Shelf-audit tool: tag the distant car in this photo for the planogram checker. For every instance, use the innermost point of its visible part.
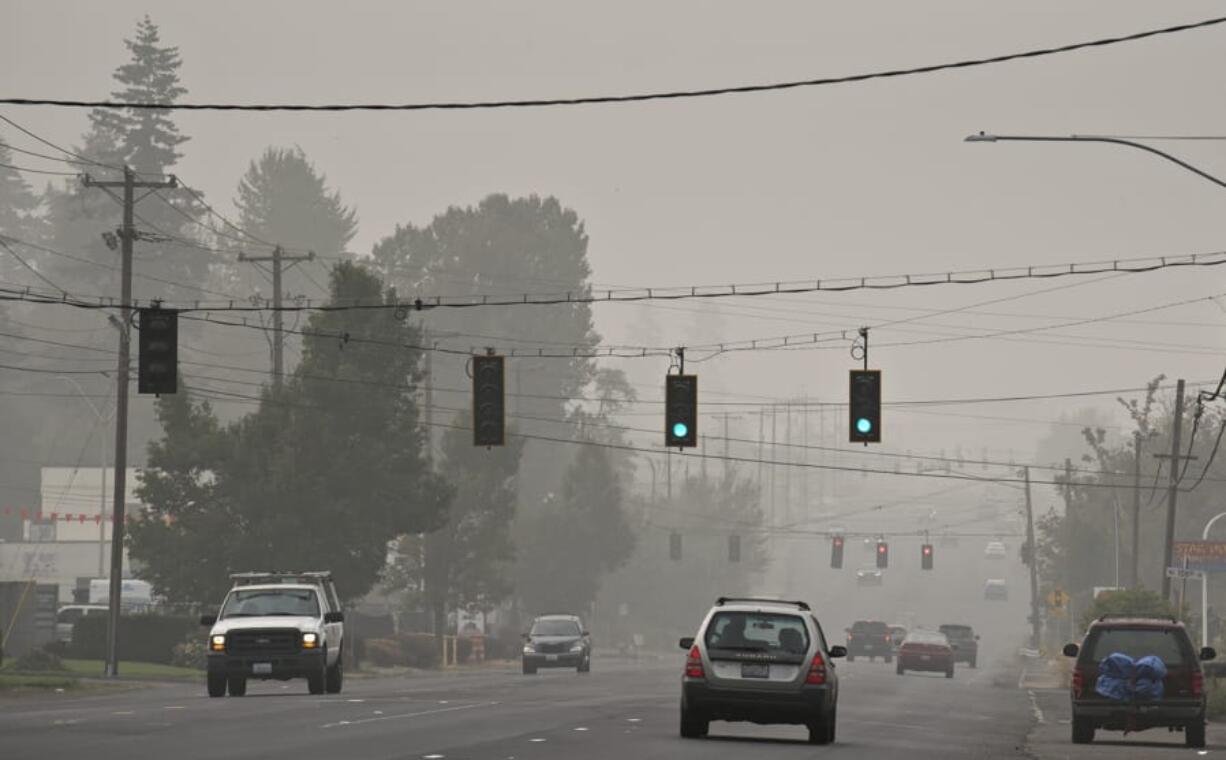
(926, 650)
(763, 661)
(869, 638)
(68, 615)
(557, 641)
(965, 642)
(869, 576)
(1182, 704)
(995, 550)
(996, 589)
(897, 634)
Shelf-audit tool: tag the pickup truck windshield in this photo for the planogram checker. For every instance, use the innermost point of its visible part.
(262, 602)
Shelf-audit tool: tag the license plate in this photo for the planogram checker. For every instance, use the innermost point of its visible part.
(925, 657)
(868, 647)
(551, 658)
(261, 668)
(755, 670)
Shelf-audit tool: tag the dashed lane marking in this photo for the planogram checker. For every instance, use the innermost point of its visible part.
(418, 714)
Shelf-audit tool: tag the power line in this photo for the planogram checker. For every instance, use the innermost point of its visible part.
(52, 145)
(27, 265)
(38, 171)
(627, 98)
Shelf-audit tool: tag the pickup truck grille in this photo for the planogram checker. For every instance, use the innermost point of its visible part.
(270, 641)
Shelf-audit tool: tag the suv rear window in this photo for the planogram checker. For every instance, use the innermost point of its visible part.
(1169, 644)
(758, 632)
(957, 631)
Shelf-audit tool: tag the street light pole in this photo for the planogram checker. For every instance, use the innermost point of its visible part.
(1204, 585)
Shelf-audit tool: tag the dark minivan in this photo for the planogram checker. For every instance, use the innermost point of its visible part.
(1182, 706)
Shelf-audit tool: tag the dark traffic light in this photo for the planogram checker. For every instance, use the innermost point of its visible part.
(734, 548)
(864, 411)
(836, 552)
(489, 401)
(674, 546)
(158, 362)
(883, 554)
(926, 557)
(681, 410)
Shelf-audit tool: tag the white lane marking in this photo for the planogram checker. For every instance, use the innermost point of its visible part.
(174, 707)
(1034, 707)
(581, 728)
(442, 701)
(418, 714)
(633, 720)
(124, 712)
(68, 722)
(537, 740)
(378, 712)
(433, 757)
(357, 701)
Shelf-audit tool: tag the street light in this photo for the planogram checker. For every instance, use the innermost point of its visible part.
(984, 137)
(1204, 586)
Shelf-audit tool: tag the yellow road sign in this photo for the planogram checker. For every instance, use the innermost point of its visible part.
(1057, 599)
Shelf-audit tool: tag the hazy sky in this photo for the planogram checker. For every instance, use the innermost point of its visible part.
(851, 180)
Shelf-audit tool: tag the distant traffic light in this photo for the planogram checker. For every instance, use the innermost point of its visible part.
(836, 552)
(489, 401)
(734, 548)
(883, 554)
(681, 410)
(926, 557)
(158, 360)
(674, 546)
(864, 407)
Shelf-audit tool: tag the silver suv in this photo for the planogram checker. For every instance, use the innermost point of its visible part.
(763, 661)
(276, 626)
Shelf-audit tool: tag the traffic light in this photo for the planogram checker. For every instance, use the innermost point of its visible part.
(883, 554)
(674, 546)
(864, 410)
(681, 410)
(926, 557)
(734, 548)
(836, 552)
(489, 401)
(158, 363)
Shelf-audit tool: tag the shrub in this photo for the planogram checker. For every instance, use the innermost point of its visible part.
(39, 661)
(1138, 602)
(191, 652)
(420, 650)
(142, 638)
(383, 653)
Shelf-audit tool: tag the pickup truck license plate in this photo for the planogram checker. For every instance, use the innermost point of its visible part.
(551, 658)
(755, 670)
(261, 668)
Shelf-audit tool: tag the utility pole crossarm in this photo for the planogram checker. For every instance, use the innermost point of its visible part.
(278, 260)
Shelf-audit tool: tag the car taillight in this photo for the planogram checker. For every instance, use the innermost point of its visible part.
(1078, 682)
(887, 637)
(817, 671)
(1198, 683)
(693, 663)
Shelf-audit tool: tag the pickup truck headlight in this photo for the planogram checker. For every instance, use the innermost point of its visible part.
(577, 646)
(217, 643)
(309, 640)
(529, 648)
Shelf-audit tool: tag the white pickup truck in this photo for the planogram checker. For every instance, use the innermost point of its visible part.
(276, 626)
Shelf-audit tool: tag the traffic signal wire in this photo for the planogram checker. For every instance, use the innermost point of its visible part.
(624, 98)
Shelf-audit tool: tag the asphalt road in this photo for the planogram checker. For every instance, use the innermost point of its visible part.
(622, 709)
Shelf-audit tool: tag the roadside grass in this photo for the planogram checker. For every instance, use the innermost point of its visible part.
(134, 670)
(1215, 708)
(28, 682)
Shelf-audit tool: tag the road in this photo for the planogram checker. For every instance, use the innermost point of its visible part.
(622, 709)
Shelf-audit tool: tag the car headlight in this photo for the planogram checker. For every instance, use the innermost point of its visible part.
(217, 643)
(529, 648)
(577, 646)
(309, 640)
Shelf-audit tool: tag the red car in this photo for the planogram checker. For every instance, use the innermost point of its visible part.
(926, 650)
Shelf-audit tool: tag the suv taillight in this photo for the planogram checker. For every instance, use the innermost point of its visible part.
(1198, 683)
(693, 663)
(1079, 679)
(817, 671)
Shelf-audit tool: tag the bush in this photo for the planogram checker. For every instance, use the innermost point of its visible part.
(38, 661)
(419, 650)
(191, 652)
(383, 653)
(1215, 708)
(503, 647)
(142, 638)
(1134, 601)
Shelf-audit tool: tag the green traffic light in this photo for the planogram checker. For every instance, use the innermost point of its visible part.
(864, 426)
(680, 430)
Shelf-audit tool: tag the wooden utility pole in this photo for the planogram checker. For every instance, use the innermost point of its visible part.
(1135, 576)
(1173, 492)
(126, 236)
(1033, 563)
(278, 259)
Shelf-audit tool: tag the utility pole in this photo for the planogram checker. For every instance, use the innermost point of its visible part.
(126, 236)
(278, 259)
(1033, 563)
(1136, 512)
(1173, 492)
